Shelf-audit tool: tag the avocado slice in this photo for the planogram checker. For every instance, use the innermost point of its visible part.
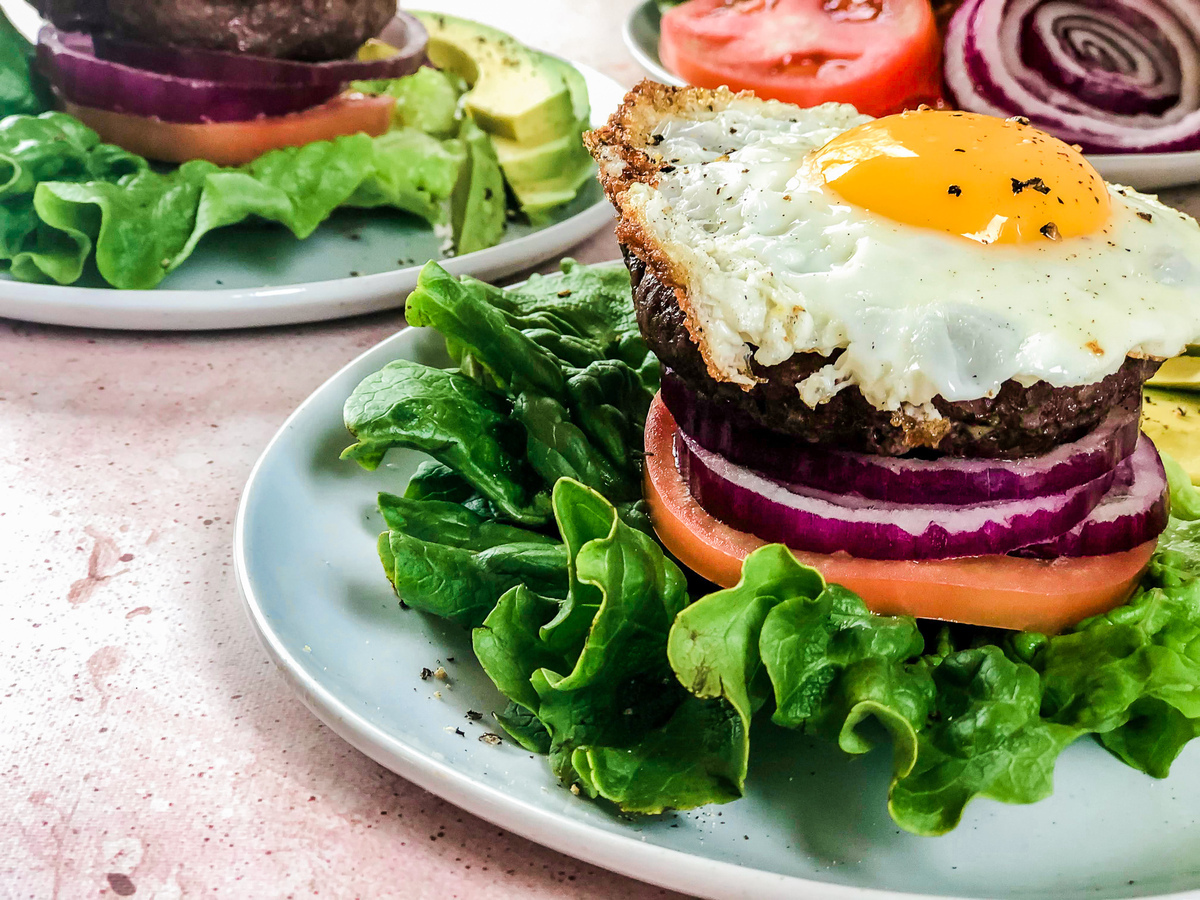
(530, 166)
(1181, 372)
(550, 174)
(1172, 420)
(514, 92)
(478, 206)
(581, 104)
(526, 165)
(538, 201)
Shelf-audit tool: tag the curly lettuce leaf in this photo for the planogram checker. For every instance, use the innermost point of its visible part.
(426, 100)
(693, 759)
(976, 715)
(1149, 648)
(1131, 677)
(23, 89)
(446, 560)
(458, 423)
(833, 664)
(985, 739)
(592, 670)
(714, 644)
(1005, 711)
(583, 422)
(143, 226)
(49, 147)
(1185, 499)
(1153, 735)
(963, 723)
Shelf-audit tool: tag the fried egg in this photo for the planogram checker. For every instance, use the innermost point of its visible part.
(942, 253)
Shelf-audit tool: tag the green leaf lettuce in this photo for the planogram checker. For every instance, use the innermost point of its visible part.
(593, 671)
(23, 89)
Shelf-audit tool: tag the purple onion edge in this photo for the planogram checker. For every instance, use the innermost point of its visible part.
(950, 479)
(752, 511)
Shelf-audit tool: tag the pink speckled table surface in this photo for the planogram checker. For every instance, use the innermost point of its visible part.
(149, 747)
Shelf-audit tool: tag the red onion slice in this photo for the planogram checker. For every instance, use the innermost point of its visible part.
(821, 522)
(81, 78)
(404, 32)
(1117, 76)
(1134, 511)
(951, 480)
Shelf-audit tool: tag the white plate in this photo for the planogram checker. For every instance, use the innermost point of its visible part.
(1144, 171)
(814, 823)
(247, 276)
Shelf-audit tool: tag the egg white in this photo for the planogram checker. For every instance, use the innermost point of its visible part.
(777, 264)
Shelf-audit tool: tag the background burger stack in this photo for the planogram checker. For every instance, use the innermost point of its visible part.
(228, 81)
(139, 128)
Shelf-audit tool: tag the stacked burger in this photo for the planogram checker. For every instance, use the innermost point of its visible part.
(910, 348)
(226, 80)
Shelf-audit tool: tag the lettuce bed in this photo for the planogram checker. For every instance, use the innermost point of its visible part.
(528, 527)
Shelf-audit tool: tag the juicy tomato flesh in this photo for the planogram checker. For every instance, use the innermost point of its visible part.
(237, 143)
(996, 591)
(882, 56)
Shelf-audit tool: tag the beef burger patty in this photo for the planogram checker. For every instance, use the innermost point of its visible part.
(287, 29)
(1018, 421)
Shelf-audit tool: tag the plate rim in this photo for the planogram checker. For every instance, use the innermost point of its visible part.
(650, 62)
(645, 10)
(193, 309)
(624, 854)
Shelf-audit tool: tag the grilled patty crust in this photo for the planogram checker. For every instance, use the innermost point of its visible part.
(1018, 421)
(287, 29)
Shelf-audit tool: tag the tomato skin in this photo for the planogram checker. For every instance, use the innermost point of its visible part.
(995, 591)
(809, 52)
(237, 143)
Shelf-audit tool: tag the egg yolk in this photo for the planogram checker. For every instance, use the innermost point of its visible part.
(991, 180)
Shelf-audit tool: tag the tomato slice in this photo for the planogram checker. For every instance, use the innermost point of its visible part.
(237, 143)
(882, 56)
(997, 591)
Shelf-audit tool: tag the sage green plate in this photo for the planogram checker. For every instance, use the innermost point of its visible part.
(814, 823)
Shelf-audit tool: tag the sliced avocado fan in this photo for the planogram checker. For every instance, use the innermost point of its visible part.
(535, 107)
(1171, 418)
